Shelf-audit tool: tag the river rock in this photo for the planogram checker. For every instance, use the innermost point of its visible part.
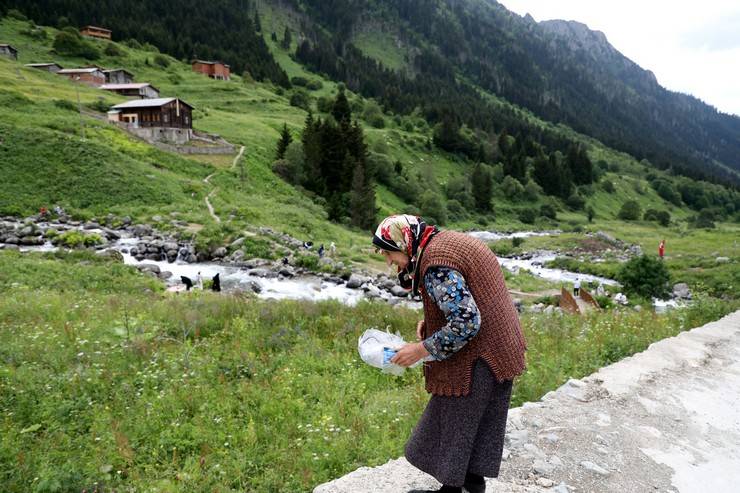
(252, 286)
(682, 291)
(32, 240)
(170, 245)
(237, 243)
(722, 260)
(286, 271)
(355, 281)
(153, 256)
(111, 234)
(165, 275)
(237, 256)
(388, 284)
(91, 225)
(142, 230)
(113, 254)
(27, 231)
(203, 256)
(220, 252)
(399, 291)
(372, 291)
(9, 247)
(149, 268)
(12, 240)
(595, 468)
(543, 468)
(126, 220)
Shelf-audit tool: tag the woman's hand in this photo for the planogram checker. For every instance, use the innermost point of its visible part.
(409, 354)
(420, 330)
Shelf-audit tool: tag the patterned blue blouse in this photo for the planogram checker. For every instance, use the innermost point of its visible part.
(448, 289)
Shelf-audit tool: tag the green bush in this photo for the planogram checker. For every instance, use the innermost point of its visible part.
(65, 104)
(162, 61)
(17, 15)
(301, 99)
(645, 276)
(314, 85)
(299, 81)
(662, 217)
(113, 50)
(630, 211)
(705, 219)
(70, 43)
(528, 215)
(575, 202)
(548, 211)
(310, 262)
(516, 242)
(608, 186)
(77, 239)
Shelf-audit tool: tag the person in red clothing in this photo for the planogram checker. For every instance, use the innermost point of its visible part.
(661, 248)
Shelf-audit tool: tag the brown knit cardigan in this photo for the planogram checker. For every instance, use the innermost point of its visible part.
(499, 341)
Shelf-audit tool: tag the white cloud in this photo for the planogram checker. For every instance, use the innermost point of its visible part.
(691, 47)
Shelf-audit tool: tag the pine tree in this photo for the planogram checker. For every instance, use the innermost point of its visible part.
(362, 198)
(482, 184)
(341, 110)
(283, 142)
(257, 22)
(311, 139)
(287, 39)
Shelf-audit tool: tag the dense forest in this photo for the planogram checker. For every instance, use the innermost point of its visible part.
(213, 30)
(604, 94)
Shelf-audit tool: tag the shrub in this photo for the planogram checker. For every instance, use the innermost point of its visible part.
(645, 276)
(532, 191)
(65, 104)
(100, 105)
(432, 208)
(162, 61)
(705, 219)
(630, 211)
(511, 187)
(314, 85)
(528, 215)
(516, 242)
(324, 104)
(548, 211)
(373, 114)
(301, 99)
(16, 14)
(456, 210)
(608, 186)
(575, 202)
(70, 43)
(299, 81)
(113, 50)
(662, 217)
(310, 262)
(75, 239)
(133, 43)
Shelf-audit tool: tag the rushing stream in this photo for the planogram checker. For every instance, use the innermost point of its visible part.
(312, 287)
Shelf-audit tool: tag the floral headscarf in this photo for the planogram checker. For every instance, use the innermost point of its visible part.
(407, 234)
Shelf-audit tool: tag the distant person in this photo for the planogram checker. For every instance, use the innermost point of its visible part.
(187, 282)
(600, 290)
(43, 212)
(307, 245)
(471, 341)
(332, 249)
(321, 251)
(216, 286)
(286, 261)
(661, 249)
(577, 287)
(199, 281)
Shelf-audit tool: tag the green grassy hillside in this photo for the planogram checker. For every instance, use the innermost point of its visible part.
(47, 163)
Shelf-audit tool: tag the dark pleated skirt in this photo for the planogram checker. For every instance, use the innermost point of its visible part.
(456, 435)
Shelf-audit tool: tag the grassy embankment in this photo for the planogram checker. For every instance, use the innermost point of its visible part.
(105, 378)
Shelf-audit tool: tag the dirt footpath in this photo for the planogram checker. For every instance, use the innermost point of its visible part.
(664, 420)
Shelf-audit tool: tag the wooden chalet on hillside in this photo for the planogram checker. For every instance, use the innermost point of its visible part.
(214, 70)
(8, 51)
(49, 67)
(118, 76)
(93, 76)
(142, 90)
(96, 32)
(159, 112)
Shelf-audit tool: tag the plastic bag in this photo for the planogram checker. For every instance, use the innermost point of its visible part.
(377, 347)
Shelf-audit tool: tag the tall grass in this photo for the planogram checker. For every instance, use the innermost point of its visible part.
(119, 384)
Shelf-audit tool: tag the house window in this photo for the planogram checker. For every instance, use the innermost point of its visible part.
(166, 118)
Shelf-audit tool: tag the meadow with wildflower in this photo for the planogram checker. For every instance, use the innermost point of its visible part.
(107, 382)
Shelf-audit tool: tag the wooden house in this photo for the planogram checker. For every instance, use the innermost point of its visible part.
(118, 76)
(49, 67)
(92, 76)
(214, 70)
(8, 51)
(142, 90)
(159, 112)
(96, 32)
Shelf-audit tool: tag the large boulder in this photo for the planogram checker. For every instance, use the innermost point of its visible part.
(399, 291)
(355, 281)
(682, 291)
(149, 268)
(220, 252)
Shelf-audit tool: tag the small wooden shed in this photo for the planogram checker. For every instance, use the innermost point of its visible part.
(159, 112)
(96, 32)
(93, 76)
(49, 67)
(118, 76)
(214, 70)
(142, 90)
(8, 51)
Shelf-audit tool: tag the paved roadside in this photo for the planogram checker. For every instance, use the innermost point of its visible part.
(664, 420)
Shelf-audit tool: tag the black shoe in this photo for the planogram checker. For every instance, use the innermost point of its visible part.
(474, 483)
(443, 489)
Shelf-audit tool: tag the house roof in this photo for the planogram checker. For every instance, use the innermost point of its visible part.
(133, 85)
(207, 62)
(79, 70)
(49, 64)
(5, 45)
(97, 28)
(109, 70)
(148, 103)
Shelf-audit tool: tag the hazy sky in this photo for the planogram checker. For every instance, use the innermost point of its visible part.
(691, 47)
